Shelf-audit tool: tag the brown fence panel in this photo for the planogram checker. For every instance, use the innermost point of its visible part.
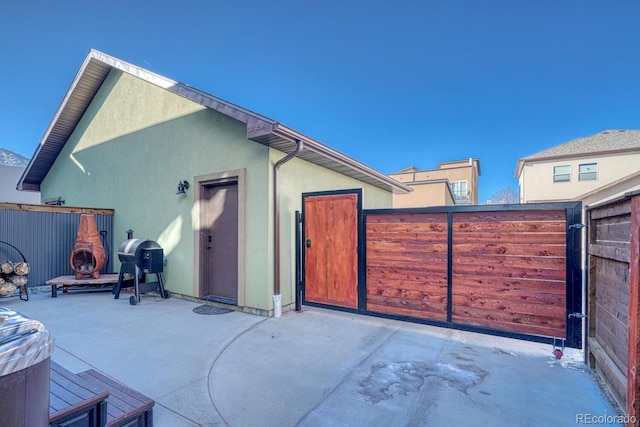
(510, 270)
(515, 280)
(613, 304)
(406, 265)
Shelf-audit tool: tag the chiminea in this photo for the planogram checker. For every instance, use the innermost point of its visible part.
(88, 256)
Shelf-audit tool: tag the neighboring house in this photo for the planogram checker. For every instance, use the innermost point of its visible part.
(453, 183)
(9, 177)
(195, 173)
(589, 169)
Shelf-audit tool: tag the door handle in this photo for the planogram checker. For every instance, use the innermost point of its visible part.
(308, 243)
(209, 239)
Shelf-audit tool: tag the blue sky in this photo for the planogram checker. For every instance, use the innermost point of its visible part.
(389, 83)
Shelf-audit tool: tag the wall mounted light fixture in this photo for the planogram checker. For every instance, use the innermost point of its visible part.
(182, 187)
(54, 201)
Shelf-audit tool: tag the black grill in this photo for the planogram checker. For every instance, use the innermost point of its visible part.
(138, 258)
(146, 254)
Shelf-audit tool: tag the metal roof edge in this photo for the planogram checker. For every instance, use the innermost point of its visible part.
(341, 158)
(200, 97)
(257, 125)
(32, 187)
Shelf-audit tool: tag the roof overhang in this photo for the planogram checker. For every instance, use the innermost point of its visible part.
(541, 159)
(260, 129)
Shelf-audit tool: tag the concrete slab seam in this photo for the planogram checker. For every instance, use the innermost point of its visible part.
(346, 377)
(227, 345)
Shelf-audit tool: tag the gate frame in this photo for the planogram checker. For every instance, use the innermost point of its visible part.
(301, 297)
(575, 292)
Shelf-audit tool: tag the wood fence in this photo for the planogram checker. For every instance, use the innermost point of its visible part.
(514, 271)
(511, 270)
(614, 298)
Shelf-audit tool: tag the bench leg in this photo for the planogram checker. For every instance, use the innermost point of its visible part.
(54, 291)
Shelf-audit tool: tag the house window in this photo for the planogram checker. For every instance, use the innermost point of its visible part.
(562, 173)
(459, 190)
(588, 172)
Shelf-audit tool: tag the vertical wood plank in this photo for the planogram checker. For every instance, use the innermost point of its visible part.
(331, 260)
(633, 357)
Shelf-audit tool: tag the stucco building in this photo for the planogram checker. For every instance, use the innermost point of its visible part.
(453, 183)
(581, 167)
(128, 139)
(9, 177)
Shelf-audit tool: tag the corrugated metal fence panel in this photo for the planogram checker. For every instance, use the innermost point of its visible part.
(46, 240)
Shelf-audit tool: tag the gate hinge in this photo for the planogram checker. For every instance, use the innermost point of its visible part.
(577, 226)
(577, 315)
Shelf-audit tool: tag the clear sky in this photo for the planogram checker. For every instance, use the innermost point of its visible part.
(389, 83)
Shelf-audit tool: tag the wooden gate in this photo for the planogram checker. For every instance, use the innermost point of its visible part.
(510, 270)
(331, 248)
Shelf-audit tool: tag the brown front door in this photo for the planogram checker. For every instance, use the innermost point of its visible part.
(219, 242)
(331, 249)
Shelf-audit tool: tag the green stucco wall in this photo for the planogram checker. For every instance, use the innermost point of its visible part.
(137, 141)
(298, 177)
(130, 150)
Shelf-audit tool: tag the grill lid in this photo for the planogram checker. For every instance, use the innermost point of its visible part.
(130, 251)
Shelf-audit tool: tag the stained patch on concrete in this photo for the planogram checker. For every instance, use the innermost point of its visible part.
(387, 380)
(460, 357)
(501, 351)
(469, 350)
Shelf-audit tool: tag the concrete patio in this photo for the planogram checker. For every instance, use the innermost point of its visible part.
(315, 368)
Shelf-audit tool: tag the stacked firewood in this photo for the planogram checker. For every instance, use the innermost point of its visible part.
(12, 276)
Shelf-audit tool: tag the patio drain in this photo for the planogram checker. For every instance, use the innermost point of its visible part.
(210, 309)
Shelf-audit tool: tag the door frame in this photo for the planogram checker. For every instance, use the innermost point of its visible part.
(361, 290)
(231, 176)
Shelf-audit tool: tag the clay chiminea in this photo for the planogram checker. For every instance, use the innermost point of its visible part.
(88, 256)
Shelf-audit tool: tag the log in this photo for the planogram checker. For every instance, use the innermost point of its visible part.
(6, 267)
(21, 268)
(17, 280)
(7, 289)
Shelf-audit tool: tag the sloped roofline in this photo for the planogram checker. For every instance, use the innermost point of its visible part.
(406, 170)
(555, 152)
(92, 73)
(608, 186)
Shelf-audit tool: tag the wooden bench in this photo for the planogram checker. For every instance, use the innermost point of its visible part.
(66, 282)
(126, 407)
(74, 401)
(92, 399)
